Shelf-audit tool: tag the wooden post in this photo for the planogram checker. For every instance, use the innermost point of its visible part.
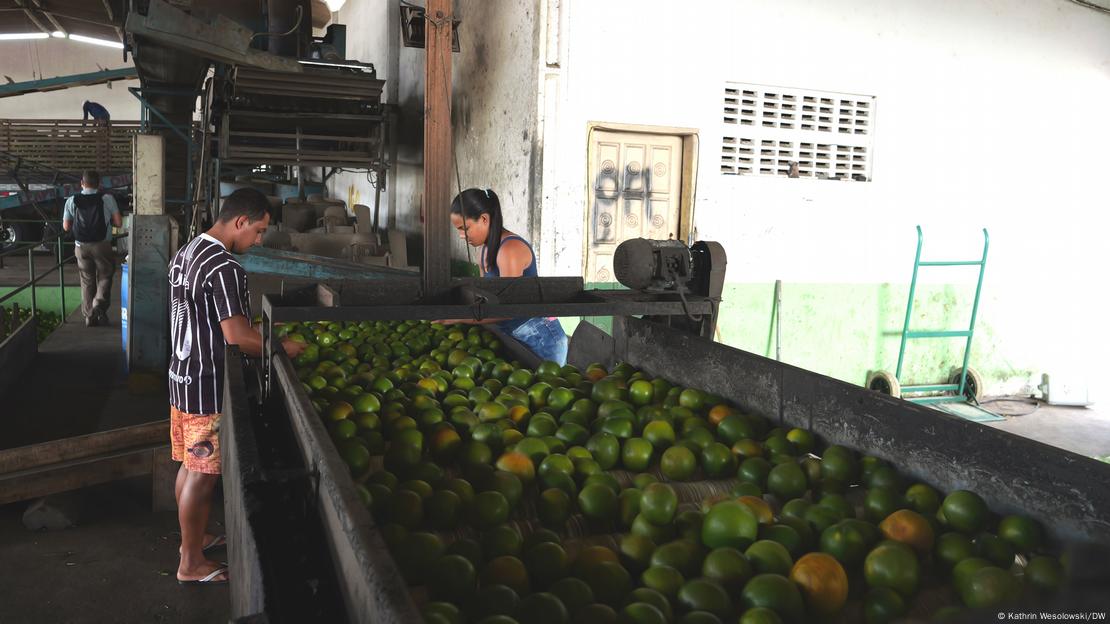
(438, 161)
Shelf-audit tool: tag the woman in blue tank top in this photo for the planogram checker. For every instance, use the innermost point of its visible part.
(476, 214)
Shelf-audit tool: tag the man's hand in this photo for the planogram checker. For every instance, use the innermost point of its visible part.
(293, 348)
(456, 321)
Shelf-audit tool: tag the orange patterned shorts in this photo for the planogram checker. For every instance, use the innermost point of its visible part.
(195, 440)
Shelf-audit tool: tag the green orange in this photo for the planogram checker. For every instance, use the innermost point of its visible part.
(965, 511)
(641, 392)
(705, 595)
(658, 503)
(892, 565)
(771, 557)
(727, 566)
(729, 523)
(597, 502)
(678, 463)
(636, 454)
(787, 481)
(518, 464)
(822, 581)
(910, 528)
(774, 592)
(717, 461)
(1022, 532)
(660, 433)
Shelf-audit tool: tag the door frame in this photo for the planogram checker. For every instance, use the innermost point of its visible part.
(688, 178)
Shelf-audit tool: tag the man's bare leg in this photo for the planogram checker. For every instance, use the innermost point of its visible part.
(193, 506)
(182, 472)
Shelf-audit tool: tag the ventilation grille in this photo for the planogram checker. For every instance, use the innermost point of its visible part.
(770, 131)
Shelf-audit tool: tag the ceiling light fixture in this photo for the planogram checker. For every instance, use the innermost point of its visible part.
(14, 36)
(100, 42)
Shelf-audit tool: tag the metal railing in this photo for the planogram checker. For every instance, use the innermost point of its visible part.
(59, 243)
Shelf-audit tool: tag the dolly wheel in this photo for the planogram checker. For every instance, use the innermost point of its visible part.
(884, 383)
(973, 387)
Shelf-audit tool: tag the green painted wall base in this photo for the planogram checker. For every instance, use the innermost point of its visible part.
(847, 330)
(46, 297)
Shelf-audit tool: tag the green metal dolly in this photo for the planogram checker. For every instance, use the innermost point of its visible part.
(964, 384)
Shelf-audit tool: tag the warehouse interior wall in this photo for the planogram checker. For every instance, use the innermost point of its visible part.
(988, 113)
(35, 59)
(372, 37)
(493, 109)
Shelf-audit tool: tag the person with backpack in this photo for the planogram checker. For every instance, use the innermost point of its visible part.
(88, 215)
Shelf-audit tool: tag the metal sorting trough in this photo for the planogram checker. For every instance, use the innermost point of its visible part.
(1066, 492)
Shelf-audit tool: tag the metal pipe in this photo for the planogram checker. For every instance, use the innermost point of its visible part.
(778, 320)
(31, 277)
(909, 306)
(61, 282)
(974, 313)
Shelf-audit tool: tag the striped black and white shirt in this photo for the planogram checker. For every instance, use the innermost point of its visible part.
(207, 285)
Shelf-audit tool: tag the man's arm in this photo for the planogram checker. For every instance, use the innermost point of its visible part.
(67, 215)
(113, 209)
(238, 331)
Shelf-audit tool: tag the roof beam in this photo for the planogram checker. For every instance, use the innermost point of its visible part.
(65, 82)
(31, 16)
(112, 18)
(57, 25)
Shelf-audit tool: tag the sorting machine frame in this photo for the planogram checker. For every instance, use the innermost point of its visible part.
(284, 476)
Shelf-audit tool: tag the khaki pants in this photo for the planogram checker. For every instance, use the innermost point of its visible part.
(97, 264)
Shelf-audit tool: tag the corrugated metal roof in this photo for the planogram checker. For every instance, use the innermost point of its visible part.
(101, 19)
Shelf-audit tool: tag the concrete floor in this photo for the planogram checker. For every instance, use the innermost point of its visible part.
(1082, 430)
(118, 564)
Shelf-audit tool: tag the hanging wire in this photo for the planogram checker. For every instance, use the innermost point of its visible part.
(296, 25)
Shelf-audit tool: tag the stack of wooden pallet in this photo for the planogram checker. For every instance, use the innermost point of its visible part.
(69, 145)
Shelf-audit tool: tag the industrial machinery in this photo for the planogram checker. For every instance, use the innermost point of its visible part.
(329, 115)
(284, 475)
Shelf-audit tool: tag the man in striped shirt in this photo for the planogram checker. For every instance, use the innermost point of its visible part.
(209, 309)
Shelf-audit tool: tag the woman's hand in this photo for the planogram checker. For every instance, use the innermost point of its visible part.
(456, 321)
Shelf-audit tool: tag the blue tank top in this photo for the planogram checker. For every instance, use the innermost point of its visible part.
(492, 271)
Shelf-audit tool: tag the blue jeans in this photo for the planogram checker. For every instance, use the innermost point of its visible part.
(544, 337)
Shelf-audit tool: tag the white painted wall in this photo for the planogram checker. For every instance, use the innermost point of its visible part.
(989, 113)
(48, 58)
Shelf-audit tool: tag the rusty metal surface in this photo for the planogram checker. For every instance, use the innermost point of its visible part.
(242, 471)
(1065, 491)
(371, 585)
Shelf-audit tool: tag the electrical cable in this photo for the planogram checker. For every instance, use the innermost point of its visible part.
(296, 25)
(686, 306)
(1021, 400)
